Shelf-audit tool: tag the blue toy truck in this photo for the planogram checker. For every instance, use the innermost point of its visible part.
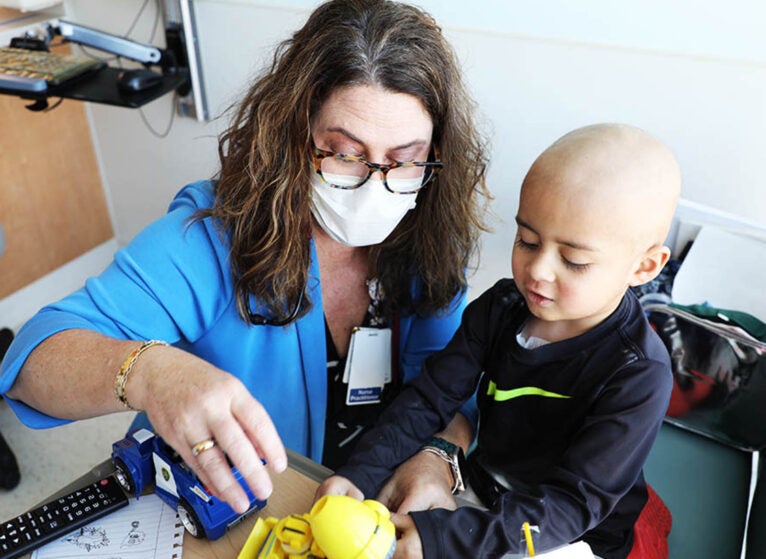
(143, 457)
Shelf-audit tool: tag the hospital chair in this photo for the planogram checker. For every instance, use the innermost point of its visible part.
(705, 485)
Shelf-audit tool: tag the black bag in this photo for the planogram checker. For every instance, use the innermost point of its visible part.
(719, 374)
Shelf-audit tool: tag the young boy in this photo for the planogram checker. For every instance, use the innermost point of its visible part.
(572, 382)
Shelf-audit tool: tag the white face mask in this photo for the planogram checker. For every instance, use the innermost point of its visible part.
(360, 217)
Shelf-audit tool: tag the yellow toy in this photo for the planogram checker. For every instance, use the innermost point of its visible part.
(338, 527)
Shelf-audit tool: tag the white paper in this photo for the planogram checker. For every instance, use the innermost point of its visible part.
(725, 270)
(578, 550)
(146, 529)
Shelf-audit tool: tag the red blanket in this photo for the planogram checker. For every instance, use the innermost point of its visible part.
(651, 530)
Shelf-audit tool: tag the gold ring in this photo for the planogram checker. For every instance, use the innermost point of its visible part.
(202, 446)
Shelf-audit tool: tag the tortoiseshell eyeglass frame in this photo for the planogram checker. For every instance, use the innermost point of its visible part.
(433, 166)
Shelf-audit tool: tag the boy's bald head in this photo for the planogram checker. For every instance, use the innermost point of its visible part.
(612, 172)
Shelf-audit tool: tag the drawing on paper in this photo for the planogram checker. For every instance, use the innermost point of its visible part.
(89, 537)
(135, 536)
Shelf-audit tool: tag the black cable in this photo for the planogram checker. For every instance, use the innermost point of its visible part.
(56, 104)
(156, 21)
(135, 19)
(126, 35)
(118, 60)
(145, 120)
(170, 122)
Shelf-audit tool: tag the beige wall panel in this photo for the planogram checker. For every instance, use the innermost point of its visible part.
(52, 203)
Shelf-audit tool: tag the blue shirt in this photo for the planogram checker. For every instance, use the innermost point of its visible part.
(173, 282)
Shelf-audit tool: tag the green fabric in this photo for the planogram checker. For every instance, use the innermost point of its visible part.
(747, 322)
(504, 395)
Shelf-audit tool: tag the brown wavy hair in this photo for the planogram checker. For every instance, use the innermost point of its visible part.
(263, 192)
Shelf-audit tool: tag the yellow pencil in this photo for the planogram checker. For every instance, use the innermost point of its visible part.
(528, 538)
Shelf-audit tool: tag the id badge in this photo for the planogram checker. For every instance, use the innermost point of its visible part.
(368, 365)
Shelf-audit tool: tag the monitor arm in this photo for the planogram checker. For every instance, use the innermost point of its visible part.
(146, 54)
(76, 33)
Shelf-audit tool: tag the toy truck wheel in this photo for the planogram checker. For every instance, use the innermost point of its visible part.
(189, 519)
(123, 476)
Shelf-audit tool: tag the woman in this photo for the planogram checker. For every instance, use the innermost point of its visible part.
(350, 194)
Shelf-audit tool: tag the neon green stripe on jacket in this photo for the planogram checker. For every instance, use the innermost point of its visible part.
(504, 395)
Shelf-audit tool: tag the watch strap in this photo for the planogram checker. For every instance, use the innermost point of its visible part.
(444, 444)
(450, 453)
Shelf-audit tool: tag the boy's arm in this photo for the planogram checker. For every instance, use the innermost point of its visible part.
(411, 488)
(421, 410)
(428, 403)
(601, 466)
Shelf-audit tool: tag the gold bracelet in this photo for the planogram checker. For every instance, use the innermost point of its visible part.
(122, 377)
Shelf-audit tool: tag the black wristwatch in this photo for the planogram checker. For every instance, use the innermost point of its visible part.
(453, 455)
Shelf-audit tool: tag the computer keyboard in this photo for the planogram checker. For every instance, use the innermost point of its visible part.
(52, 67)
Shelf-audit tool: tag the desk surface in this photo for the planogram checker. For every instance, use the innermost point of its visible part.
(293, 493)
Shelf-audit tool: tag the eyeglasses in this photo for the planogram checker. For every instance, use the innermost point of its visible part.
(349, 172)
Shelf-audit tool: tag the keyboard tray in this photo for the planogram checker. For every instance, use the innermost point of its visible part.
(52, 67)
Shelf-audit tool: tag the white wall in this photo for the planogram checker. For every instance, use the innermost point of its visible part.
(692, 73)
(702, 27)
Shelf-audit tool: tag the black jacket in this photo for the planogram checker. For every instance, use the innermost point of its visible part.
(570, 424)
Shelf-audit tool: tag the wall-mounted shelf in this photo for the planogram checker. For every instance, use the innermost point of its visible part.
(100, 83)
(101, 87)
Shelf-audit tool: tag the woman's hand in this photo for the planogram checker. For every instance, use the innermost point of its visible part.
(408, 544)
(189, 401)
(423, 482)
(338, 485)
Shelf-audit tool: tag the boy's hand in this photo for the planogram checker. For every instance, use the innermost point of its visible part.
(338, 485)
(408, 545)
(423, 482)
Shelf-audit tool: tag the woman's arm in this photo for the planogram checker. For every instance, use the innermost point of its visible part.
(186, 399)
(71, 375)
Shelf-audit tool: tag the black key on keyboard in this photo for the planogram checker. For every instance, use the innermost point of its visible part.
(59, 517)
